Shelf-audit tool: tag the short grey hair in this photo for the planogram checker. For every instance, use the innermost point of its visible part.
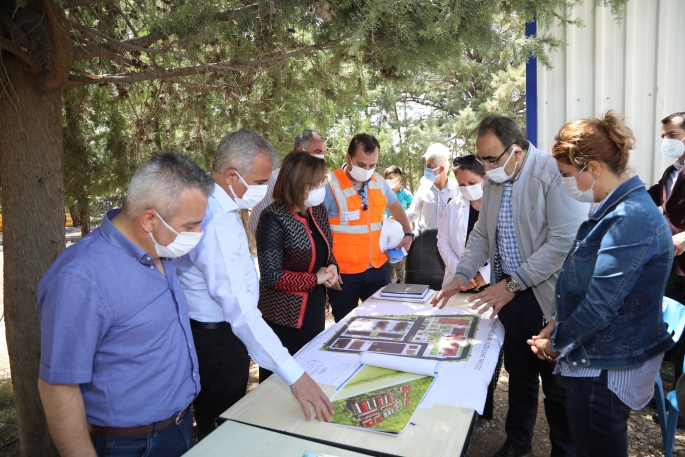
(439, 153)
(238, 150)
(158, 184)
(304, 137)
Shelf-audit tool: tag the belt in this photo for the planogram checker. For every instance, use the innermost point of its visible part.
(139, 430)
(209, 325)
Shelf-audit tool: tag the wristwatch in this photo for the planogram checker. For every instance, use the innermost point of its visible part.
(513, 286)
(409, 234)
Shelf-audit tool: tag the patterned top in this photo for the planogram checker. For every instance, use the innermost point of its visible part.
(506, 234)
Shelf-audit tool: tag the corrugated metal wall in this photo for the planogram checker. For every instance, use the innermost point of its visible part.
(636, 67)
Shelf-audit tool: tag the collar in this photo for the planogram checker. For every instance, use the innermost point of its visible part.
(450, 185)
(616, 195)
(221, 196)
(112, 234)
(677, 165)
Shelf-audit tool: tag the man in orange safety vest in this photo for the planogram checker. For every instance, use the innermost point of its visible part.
(356, 199)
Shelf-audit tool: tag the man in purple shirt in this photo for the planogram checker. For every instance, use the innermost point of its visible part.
(118, 364)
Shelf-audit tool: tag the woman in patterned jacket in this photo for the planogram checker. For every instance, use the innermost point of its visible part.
(294, 247)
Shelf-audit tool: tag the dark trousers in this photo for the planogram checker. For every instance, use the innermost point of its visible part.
(355, 287)
(173, 441)
(675, 289)
(597, 417)
(224, 371)
(522, 318)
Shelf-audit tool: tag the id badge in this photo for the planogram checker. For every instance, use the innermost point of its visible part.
(352, 215)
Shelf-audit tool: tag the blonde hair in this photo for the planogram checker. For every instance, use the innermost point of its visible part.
(608, 140)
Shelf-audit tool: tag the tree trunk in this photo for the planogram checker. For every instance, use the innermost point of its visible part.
(33, 233)
(84, 215)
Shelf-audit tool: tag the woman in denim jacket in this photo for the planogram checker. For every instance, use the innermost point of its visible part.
(609, 337)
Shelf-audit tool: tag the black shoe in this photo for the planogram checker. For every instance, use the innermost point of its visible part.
(681, 422)
(508, 451)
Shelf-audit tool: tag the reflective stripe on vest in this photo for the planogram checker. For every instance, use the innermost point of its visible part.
(356, 242)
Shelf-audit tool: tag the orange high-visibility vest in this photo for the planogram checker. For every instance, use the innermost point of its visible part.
(356, 231)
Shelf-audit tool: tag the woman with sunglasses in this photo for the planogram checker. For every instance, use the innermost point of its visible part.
(294, 247)
(608, 336)
(459, 218)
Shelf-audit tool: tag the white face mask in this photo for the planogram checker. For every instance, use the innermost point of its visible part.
(315, 197)
(472, 192)
(253, 195)
(318, 156)
(182, 244)
(672, 148)
(571, 187)
(499, 175)
(361, 174)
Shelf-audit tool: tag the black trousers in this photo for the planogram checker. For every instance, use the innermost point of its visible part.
(522, 318)
(675, 289)
(355, 287)
(224, 371)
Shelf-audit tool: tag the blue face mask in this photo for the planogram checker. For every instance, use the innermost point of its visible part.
(429, 174)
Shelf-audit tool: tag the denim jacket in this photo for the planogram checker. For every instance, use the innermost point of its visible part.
(610, 289)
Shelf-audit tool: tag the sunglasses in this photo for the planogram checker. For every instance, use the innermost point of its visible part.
(464, 160)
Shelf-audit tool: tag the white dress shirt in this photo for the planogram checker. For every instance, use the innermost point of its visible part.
(673, 176)
(221, 284)
(429, 203)
(452, 238)
(255, 212)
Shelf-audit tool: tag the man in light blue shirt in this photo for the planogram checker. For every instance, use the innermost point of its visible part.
(117, 352)
(222, 288)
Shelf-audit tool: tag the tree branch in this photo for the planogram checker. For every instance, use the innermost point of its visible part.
(75, 3)
(252, 66)
(114, 47)
(28, 59)
(13, 31)
(59, 29)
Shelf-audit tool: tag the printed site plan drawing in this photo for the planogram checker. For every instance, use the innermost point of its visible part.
(442, 337)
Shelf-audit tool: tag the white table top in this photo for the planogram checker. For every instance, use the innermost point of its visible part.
(439, 431)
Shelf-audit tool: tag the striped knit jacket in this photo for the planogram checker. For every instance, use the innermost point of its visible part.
(285, 250)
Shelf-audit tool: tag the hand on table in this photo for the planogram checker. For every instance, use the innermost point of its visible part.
(307, 392)
(678, 243)
(442, 297)
(494, 297)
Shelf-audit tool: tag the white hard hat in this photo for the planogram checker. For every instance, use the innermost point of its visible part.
(391, 234)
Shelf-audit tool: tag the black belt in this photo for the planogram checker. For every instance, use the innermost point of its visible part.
(209, 325)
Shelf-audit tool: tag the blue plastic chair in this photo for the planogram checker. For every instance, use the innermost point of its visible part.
(674, 316)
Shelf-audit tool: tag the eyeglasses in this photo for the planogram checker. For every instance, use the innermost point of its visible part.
(494, 163)
(464, 160)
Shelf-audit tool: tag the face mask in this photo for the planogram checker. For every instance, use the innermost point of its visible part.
(315, 197)
(360, 174)
(318, 156)
(672, 148)
(182, 244)
(571, 187)
(429, 174)
(253, 195)
(499, 175)
(472, 192)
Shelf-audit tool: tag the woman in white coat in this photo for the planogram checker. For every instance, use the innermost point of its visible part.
(459, 218)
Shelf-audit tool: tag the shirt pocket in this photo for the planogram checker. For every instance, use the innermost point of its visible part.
(583, 260)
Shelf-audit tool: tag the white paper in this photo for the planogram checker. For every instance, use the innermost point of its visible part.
(323, 370)
(422, 367)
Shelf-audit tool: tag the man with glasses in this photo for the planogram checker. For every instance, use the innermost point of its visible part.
(307, 141)
(356, 198)
(525, 231)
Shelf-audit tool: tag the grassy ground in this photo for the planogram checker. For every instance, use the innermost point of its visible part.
(9, 433)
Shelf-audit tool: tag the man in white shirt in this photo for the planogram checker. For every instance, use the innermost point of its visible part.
(435, 190)
(222, 289)
(306, 141)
